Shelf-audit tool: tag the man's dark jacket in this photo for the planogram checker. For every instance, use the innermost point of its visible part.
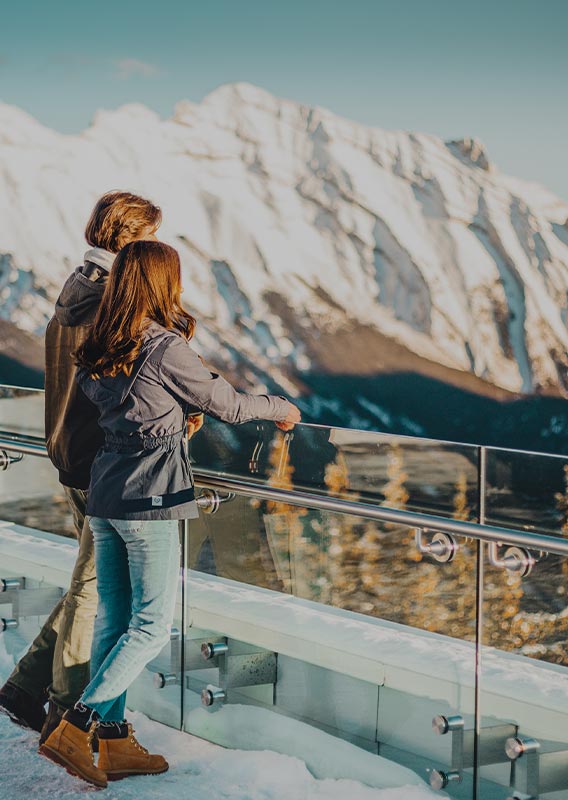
(72, 432)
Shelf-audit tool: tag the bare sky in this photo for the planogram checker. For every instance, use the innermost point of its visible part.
(494, 70)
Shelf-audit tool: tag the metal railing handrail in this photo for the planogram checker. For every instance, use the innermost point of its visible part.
(20, 443)
(305, 499)
(408, 519)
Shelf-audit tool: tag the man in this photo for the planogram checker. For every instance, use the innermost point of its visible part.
(56, 666)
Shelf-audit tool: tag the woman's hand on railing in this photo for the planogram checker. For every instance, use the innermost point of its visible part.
(293, 417)
(194, 424)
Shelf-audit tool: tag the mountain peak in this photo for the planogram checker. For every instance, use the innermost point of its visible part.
(240, 93)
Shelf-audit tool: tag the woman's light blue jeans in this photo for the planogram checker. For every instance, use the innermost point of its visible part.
(137, 563)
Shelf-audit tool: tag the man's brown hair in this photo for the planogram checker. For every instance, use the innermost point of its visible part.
(119, 218)
(144, 285)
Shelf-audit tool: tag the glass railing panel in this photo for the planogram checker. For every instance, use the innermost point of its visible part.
(28, 593)
(395, 471)
(524, 676)
(22, 411)
(327, 632)
(527, 490)
(30, 493)
(37, 552)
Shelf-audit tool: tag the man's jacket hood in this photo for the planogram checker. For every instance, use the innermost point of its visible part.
(79, 300)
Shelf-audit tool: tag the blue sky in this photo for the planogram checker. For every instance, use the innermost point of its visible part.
(495, 70)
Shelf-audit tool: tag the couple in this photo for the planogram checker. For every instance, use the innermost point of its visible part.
(121, 332)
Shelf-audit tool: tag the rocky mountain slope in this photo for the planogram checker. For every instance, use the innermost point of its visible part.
(310, 245)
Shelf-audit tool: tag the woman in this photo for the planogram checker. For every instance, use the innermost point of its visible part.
(137, 367)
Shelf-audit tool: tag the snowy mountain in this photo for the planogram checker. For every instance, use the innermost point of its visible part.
(309, 244)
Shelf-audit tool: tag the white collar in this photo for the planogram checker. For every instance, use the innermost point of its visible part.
(100, 257)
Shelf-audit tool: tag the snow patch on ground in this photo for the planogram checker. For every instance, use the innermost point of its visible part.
(199, 770)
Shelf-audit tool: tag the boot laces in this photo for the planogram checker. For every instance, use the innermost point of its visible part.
(135, 741)
(90, 735)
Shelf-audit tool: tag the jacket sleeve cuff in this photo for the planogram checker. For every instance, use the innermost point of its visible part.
(282, 408)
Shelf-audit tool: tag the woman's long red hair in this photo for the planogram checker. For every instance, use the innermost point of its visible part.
(144, 285)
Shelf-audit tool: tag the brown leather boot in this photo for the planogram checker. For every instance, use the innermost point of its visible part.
(120, 754)
(70, 747)
(54, 716)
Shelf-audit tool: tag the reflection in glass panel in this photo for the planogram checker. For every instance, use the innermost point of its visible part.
(524, 675)
(399, 472)
(336, 559)
(45, 512)
(333, 621)
(527, 490)
(30, 493)
(22, 411)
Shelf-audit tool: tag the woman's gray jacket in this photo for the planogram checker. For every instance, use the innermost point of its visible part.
(142, 471)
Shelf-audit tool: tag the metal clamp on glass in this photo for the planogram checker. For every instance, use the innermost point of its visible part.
(237, 670)
(516, 559)
(163, 679)
(442, 725)
(538, 768)
(7, 623)
(492, 740)
(11, 584)
(442, 546)
(7, 459)
(212, 650)
(209, 501)
(213, 695)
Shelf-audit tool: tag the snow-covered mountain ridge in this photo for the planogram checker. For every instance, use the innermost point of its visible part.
(298, 230)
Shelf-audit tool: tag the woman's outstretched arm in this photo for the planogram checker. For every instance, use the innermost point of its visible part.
(183, 373)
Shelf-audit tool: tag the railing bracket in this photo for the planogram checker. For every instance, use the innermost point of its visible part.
(8, 459)
(442, 546)
(210, 500)
(516, 560)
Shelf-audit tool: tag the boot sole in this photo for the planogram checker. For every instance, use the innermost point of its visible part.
(57, 758)
(118, 776)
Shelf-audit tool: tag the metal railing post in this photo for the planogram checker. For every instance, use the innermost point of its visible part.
(479, 583)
